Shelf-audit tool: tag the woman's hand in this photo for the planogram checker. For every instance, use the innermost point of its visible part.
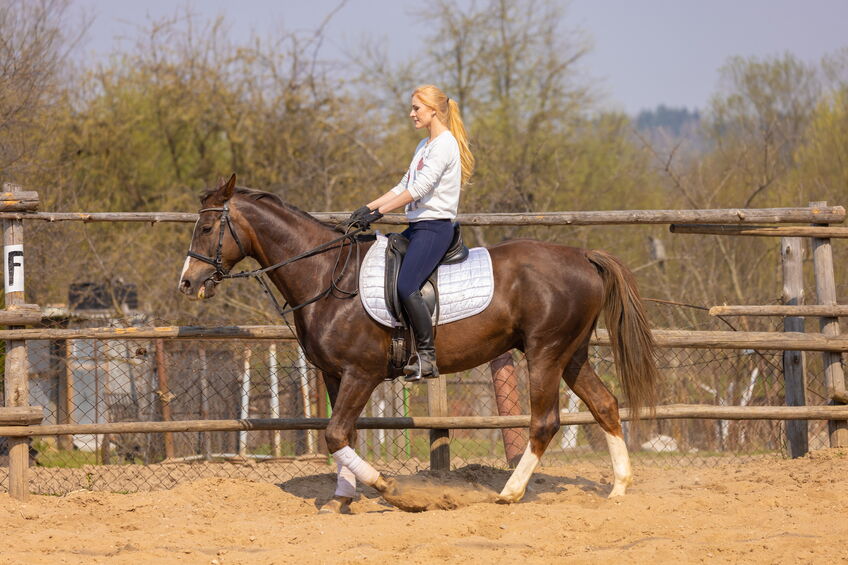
(362, 217)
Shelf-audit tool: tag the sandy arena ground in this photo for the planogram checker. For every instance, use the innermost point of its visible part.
(770, 511)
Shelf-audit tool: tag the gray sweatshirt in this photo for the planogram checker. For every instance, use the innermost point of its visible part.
(433, 179)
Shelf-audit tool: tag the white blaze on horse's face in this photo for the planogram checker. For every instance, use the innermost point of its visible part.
(184, 271)
(185, 284)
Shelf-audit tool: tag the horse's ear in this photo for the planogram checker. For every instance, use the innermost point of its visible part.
(226, 189)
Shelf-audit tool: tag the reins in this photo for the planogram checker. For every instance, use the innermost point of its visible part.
(221, 273)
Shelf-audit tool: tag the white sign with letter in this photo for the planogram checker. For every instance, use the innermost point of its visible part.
(14, 271)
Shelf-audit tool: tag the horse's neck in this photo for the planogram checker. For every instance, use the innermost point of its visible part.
(280, 233)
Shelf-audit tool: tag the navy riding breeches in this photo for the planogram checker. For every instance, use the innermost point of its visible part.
(428, 242)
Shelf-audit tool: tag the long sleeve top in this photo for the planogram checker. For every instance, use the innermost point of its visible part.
(433, 179)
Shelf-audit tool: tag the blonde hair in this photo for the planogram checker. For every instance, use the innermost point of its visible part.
(447, 111)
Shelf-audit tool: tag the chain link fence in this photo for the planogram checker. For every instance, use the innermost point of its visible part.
(96, 381)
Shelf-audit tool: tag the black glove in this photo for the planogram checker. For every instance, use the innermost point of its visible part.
(363, 217)
(371, 217)
(358, 214)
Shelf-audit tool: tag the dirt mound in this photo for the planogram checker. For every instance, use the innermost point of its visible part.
(446, 491)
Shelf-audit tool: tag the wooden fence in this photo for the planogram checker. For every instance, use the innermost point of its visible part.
(19, 421)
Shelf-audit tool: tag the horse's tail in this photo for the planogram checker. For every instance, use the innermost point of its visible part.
(630, 334)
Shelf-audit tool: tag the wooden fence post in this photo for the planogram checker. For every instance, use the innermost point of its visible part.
(16, 385)
(65, 404)
(794, 362)
(834, 377)
(205, 438)
(164, 394)
(437, 403)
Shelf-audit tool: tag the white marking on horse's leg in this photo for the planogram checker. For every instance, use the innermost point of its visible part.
(360, 468)
(517, 483)
(346, 484)
(182, 274)
(620, 464)
(345, 491)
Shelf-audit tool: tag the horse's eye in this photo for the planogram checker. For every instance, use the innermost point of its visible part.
(206, 229)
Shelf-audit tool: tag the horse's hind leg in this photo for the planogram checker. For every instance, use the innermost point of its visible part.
(583, 380)
(544, 423)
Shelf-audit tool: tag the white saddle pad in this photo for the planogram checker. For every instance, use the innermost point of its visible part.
(465, 289)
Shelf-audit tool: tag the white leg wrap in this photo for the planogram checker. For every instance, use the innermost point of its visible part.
(620, 464)
(361, 469)
(346, 485)
(517, 483)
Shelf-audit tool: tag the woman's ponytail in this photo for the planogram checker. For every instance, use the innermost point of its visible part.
(457, 128)
(447, 111)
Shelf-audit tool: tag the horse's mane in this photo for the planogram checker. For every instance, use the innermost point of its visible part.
(255, 194)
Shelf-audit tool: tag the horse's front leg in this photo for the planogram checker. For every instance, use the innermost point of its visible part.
(352, 394)
(345, 479)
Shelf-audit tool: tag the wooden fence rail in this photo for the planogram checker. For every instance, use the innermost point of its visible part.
(15, 200)
(823, 214)
(835, 310)
(762, 231)
(663, 338)
(669, 412)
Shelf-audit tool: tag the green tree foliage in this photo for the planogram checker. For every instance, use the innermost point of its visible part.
(152, 125)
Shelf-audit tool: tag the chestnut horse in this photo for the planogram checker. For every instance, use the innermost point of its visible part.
(547, 300)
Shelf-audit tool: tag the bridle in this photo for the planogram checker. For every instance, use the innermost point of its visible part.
(221, 273)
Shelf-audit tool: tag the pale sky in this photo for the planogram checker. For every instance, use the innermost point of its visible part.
(646, 52)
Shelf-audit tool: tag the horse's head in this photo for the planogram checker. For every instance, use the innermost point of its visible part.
(215, 244)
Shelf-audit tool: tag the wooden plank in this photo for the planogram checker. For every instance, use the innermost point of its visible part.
(437, 403)
(16, 362)
(663, 338)
(164, 395)
(21, 415)
(794, 362)
(65, 404)
(761, 231)
(13, 199)
(90, 217)
(20, 315)
(175, 332)
(828, 214)
(829, 326)
(835, 310)
(739, 340)
(668, 412)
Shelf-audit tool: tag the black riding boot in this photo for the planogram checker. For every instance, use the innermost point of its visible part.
(418, 316)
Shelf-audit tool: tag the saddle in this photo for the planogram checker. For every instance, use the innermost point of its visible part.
(396, 248)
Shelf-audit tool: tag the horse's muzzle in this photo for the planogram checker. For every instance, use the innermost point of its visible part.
(198, 292)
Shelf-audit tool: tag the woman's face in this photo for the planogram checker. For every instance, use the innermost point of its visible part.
(421, 115)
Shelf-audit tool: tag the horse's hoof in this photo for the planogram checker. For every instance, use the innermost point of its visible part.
(336, 505)
(617, 491)
(384, 485)
(501, 499)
